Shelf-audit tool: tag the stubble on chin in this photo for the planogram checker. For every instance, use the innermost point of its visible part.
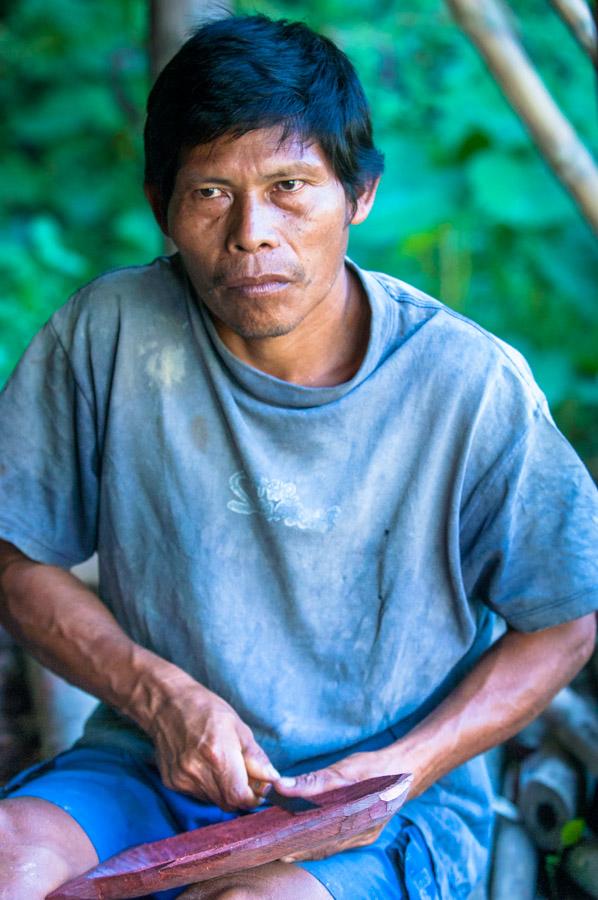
(251, 326)
(254, 319)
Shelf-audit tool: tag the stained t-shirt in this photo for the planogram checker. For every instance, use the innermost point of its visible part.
(326, 559)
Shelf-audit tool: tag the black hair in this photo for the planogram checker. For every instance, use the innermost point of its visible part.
(241, 73)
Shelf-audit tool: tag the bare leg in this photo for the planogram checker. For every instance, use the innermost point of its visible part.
(41, 847)
(274, 881)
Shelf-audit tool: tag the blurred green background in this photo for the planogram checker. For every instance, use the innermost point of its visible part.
(467, 211)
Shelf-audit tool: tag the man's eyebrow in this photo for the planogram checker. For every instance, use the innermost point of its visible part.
(295, 168)
(290, 170)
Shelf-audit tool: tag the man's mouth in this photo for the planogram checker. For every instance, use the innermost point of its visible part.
(270, 283)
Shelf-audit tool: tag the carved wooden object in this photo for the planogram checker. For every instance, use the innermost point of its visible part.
(250, 840)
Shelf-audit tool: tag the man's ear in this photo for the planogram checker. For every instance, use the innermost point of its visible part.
(364, 203)
(154, 199)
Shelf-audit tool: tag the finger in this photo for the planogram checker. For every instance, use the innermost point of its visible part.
(260, 788)
(257, 763)
(197, 780)
(216, 768)
(311, 783)
(234, 779)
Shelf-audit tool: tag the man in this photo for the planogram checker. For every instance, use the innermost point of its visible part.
(310, 487)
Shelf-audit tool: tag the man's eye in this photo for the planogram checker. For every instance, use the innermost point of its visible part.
(289, 186)
(208, 193)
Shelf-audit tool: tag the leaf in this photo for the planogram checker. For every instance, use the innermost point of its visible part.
(66, 112)
(572, 832)
(552, 862)
(570, 268)
(137, 228)
(519, 192)
(553, 371)
(46, 240)
(587, 391)
(415, 195)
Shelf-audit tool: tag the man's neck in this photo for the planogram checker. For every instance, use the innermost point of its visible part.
(324, 351)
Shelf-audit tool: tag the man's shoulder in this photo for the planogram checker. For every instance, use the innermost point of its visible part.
(130, 292)
(158, 273)
(402, 292)
(454, 339)
(419, 306)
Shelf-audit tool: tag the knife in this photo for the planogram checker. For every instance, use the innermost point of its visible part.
(291, 804)
(271, 796)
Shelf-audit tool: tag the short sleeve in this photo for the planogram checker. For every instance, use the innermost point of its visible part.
(48, 457)
(529, 537)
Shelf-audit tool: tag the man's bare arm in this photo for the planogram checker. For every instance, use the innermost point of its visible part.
(202, 746)
(509, 686)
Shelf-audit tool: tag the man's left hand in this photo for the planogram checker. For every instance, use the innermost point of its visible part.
(356, 767)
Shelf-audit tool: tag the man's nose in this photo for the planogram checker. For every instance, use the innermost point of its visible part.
(251, 225)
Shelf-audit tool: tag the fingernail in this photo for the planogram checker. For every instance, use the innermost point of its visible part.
(273, 772)
(288, 782)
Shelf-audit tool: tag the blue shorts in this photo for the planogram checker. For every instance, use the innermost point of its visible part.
(120, 801)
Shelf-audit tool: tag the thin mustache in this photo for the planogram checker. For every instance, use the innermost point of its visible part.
(247, 281)
(235, 279)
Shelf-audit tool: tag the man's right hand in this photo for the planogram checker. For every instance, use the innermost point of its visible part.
(204, 749)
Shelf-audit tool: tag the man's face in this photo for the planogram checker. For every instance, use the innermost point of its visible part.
(262, 229)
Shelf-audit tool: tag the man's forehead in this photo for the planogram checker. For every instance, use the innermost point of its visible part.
(265, 146)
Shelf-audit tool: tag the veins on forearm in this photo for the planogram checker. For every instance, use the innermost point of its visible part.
(510, 685)
(68, 629)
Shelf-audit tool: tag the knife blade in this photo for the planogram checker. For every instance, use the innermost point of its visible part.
(291, 804)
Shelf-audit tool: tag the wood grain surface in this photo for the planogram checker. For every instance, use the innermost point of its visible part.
(242, 843)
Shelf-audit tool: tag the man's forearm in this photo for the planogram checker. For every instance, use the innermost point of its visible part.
(202, 747)
(509, 686)
(68, 629)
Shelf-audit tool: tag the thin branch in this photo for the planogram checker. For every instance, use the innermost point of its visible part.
(578, 16)
(486, 23)
(118, 65)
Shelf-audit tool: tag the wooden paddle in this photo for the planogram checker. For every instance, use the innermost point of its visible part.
(237, 844)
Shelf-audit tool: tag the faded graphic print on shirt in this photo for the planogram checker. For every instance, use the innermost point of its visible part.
(278, 501)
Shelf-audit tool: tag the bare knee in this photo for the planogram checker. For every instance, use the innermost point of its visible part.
(41, 847)
(28, 868)
(272, 881)
(223, 893)
(235, 893)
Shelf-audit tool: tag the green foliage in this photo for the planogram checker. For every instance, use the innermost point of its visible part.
(572, 832)
(73, 78)
(467, 209)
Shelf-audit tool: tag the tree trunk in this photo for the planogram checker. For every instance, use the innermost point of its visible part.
(487, 24)
(171, 22)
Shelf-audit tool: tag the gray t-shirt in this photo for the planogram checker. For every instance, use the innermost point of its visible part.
(329, 559)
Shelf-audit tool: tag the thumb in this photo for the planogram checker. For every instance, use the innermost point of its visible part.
(257, 764)
(311, 783)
